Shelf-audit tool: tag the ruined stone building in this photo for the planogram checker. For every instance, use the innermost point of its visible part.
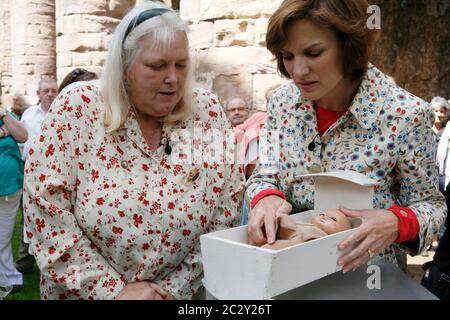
(48, 38)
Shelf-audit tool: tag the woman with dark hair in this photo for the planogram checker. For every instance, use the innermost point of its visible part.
(340, 112)
(78, 74)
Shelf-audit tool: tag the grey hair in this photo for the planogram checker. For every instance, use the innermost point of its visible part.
(439, 102)
(247, 107)
(122, 54)
(46, 81)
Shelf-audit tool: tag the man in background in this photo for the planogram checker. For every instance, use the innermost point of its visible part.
(237, 111)
(32, 119)
(247, 130)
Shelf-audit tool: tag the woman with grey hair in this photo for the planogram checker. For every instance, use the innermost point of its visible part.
(441, 105)
(441, 108)
(114, 203)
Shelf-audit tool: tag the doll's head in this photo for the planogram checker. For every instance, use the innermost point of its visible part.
(332, 221)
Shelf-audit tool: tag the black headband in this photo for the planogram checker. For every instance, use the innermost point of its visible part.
(143, 16)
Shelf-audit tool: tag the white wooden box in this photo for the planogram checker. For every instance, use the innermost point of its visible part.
(233, 269)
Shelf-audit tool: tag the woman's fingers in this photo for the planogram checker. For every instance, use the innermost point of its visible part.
(357, 256)
(356, 263)
(378, 246)
(142, 290)
(157, 296)
(262, 227)
(170, 297)
(377, 231)
(351, 213)
(285, 208)
(160, 291)
(255, 228)
(358, 235)
(271, 222)
(270, 225)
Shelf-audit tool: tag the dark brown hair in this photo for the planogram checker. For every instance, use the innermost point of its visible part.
(75, 75)
(347, 18)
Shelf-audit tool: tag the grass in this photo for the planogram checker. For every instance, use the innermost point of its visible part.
(31, 280)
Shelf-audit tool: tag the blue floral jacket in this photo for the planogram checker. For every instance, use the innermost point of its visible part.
(386, 134)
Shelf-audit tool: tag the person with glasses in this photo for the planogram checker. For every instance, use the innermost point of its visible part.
(33, 117)
(237, 111)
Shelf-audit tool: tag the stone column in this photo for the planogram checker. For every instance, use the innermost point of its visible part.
(5, 53)
(33, 45)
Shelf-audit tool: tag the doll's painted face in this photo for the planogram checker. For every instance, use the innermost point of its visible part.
(332, 221)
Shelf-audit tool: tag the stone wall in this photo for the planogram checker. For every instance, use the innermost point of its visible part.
(228, 52)
(228, 48)
(44, 38)
(415, 45)
(84, 29)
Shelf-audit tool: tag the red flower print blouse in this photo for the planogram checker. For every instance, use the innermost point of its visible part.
(103, 210)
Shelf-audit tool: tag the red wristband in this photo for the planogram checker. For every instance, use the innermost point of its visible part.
(266, 193)
(408, 225)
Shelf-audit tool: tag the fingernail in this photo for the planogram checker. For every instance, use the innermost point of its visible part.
(344, 271)
(339, 262)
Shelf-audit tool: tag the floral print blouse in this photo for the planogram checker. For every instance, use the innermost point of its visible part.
(103, 210)
(386, 134)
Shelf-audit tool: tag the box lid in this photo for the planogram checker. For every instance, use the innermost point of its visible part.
(349, 189)
(347, 175)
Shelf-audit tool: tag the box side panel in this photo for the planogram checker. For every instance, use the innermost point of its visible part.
(234, 271)
(238, 234)
(305, 263)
